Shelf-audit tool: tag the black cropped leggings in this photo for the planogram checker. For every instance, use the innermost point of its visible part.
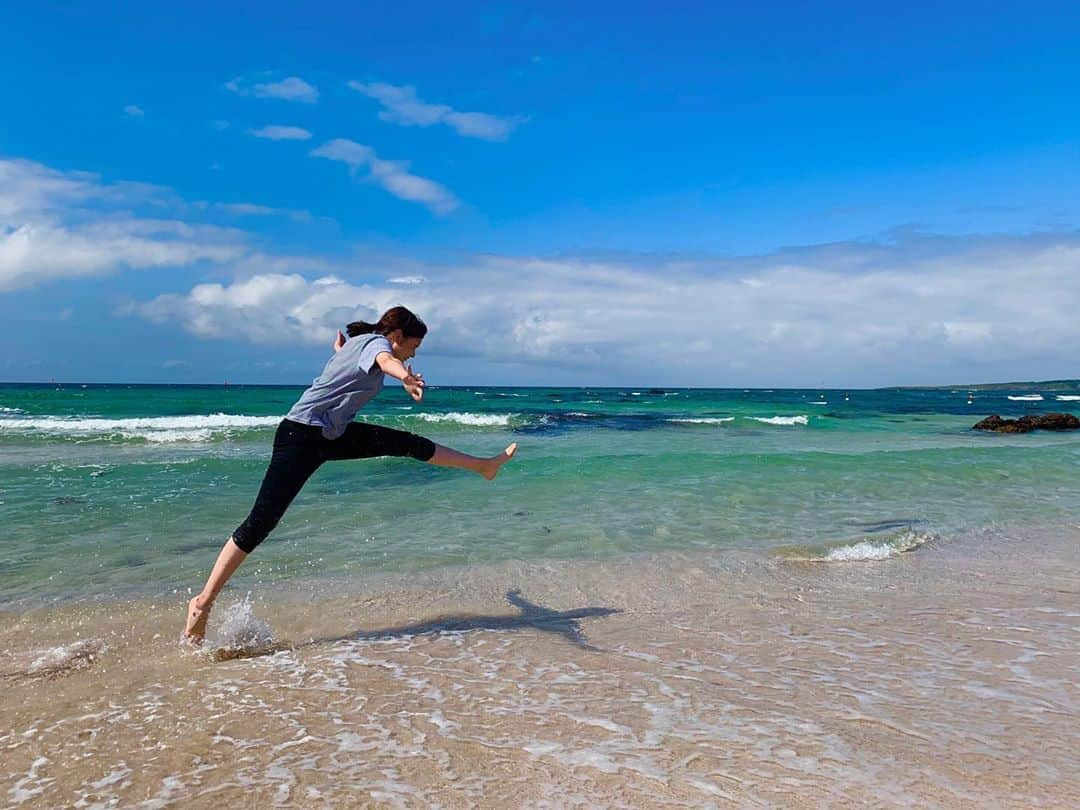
(299, 450)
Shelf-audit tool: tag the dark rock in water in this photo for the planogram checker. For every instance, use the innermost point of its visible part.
(66, 499)
(1026, 424)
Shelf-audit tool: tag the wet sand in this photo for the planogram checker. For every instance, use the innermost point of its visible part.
(944, 677)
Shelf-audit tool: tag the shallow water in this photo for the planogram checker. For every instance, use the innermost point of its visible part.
(945, 676)
(669, 598)
(121, 491)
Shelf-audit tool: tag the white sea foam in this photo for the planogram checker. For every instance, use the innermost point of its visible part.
(11, 410)
(471, 419)
(819, 402)
(781, 420)
(1027, 398)
(150, 428)
(870, 550)
(704, 420)
(241, 629)
(1068, 398)
(77, 655)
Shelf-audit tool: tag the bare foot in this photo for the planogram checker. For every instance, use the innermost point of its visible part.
(195, 627)
(494, 464)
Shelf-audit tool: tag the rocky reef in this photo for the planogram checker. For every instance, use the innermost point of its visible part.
(1026, 424)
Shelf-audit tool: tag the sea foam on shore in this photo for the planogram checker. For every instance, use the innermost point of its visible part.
(939, 677)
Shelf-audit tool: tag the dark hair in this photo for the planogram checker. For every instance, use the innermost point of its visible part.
(394, 318)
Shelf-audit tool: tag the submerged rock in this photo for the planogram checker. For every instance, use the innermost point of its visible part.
(1026, 424)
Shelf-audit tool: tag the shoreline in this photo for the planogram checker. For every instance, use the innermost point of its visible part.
(941, 676)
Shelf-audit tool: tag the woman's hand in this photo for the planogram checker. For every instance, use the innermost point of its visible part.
(414, 384)
(339, 341)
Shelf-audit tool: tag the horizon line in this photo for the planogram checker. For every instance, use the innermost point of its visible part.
(226, 384)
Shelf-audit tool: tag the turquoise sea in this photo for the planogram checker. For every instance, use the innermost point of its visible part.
(121, 491)
(668, 598)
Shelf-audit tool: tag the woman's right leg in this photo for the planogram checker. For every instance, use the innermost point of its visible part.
(364, 440)
(295, 457)
(487, 467)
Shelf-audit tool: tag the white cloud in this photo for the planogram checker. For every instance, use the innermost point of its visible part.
(56, 225)
(292, 88)
(402, 106)
(280, 133)
(354, 154)
(28, 188)
(272, 308)
(391, 175)
(253, 210)
(134, 111)
(924, 307)
(33, 253)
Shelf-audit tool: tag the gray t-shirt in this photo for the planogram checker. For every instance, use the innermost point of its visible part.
(350, 379)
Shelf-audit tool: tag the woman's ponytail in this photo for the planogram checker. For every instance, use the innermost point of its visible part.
(359, 328)
(393, 319)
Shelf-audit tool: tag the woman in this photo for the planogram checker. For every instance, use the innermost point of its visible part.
(319, 428)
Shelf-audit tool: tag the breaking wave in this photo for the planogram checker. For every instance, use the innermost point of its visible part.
(148, 428)
(781, 420)
(67, 657)
(704, 420)
(863, 550)
(471, 419)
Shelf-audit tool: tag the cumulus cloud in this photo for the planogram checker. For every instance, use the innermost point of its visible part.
(134, 111)
(402, 106)
(280, 133)
(56, 224)
(44, 250)
(902, 311)
(292, 88)
(393, 176)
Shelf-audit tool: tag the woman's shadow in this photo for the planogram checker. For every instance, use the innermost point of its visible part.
(563, 623)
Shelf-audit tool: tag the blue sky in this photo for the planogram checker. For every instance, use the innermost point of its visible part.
(772, 194)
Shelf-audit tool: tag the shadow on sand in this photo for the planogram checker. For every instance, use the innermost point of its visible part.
(563, 623)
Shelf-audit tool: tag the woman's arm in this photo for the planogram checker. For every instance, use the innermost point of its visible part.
(410, 381)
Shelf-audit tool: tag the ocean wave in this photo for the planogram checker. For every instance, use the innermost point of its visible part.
(863, 550)
(67, 657)
(1027, 398)
(11, 410)
(471, 419)
(149, 428)
(1068, 398)
(703, 420)
(781, 420)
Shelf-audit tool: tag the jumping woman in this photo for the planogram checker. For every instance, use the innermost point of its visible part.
(320, 428)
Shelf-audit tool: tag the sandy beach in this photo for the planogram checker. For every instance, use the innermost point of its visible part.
(944, 677)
